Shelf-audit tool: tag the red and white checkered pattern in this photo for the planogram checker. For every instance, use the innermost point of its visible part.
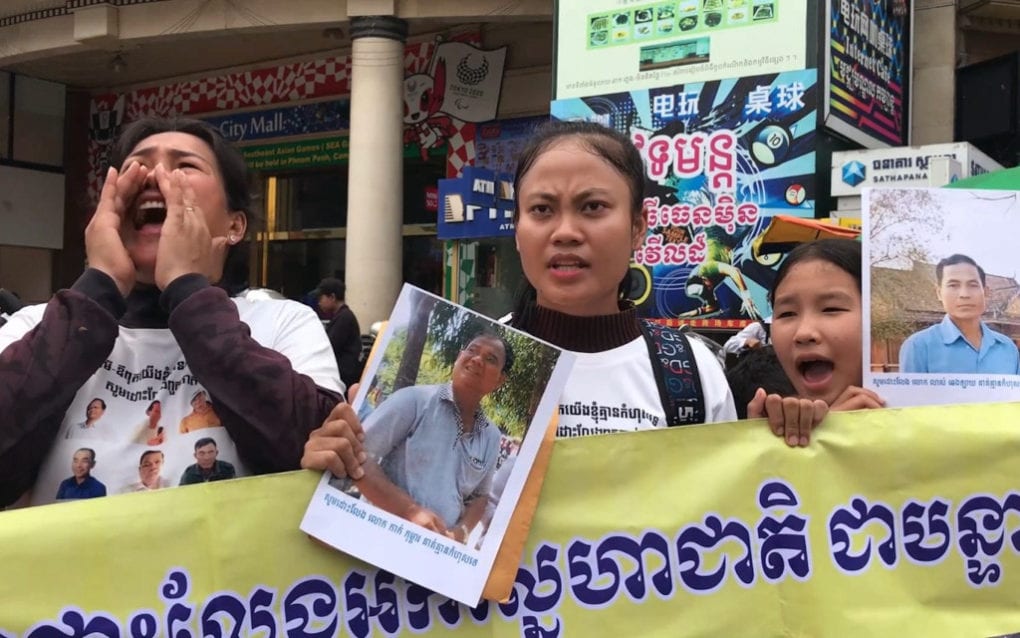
(460, 148)
(274, 85)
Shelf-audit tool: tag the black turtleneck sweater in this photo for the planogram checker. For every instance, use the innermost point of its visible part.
(579, 334)
(266, 406)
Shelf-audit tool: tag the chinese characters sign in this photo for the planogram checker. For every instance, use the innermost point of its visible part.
(868, 71)
(721, 158)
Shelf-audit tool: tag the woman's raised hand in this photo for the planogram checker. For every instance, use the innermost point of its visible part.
(185, 244)
(104, 246)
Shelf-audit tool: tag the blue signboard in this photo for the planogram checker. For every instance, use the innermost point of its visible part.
(479, 204)
(287, 121)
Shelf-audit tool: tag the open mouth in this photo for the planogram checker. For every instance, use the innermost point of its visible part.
(815, 371)
(151, 211)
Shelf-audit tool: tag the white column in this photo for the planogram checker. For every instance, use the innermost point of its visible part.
(375, 207)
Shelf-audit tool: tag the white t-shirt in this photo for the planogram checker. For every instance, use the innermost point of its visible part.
(615, 391)
(147, 365)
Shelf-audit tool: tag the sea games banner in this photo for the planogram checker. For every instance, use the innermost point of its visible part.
(867, 71)
(721, 157)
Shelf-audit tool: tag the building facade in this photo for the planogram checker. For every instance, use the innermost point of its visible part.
(328, 100)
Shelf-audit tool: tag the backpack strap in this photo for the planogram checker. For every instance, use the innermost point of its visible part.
(676, 374)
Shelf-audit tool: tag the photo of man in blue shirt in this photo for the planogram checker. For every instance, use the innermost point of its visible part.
(431, 450)
(961, 342)
(81, 484)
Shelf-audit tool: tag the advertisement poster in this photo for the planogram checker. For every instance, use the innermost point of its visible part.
(941, 290)
(455, 407)
(499, 143)
(868, 66)
(721, 158)
(605, 46)
(895, 523)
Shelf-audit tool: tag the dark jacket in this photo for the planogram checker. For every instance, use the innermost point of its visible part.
(221, 471)
(41, 373)
(345, 337)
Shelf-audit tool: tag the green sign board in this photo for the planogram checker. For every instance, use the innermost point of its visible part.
(317, 153)
(286, 156)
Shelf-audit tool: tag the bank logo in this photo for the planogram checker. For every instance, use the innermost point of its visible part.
(854, 173)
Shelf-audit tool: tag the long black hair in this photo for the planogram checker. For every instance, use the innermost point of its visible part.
(609, 144)
(231, 165)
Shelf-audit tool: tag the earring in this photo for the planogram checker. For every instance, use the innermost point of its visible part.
(232, 239)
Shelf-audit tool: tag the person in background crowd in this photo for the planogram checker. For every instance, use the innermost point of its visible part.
(343, 330)
(758, 368)
(753, 335)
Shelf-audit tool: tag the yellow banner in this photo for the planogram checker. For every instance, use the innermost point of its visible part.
(893, 522)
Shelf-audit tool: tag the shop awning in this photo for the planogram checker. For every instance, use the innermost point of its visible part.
(785, 231)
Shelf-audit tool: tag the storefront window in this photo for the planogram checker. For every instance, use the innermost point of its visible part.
(306, 216)
(296, 266)
(312, 200)
(418, 176)
(318, 199)
(423, 262)
(498, 276)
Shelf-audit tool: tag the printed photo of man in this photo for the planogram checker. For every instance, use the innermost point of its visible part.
(431, 450)
(89, 428)
(202, 414)
(207, 467)
(150, 469)
(81, 484)
(961, 342)
(150, 432)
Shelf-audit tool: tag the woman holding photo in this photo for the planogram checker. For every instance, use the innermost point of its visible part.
(579, 217)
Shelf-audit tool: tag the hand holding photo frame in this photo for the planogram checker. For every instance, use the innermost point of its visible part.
(454, 407)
